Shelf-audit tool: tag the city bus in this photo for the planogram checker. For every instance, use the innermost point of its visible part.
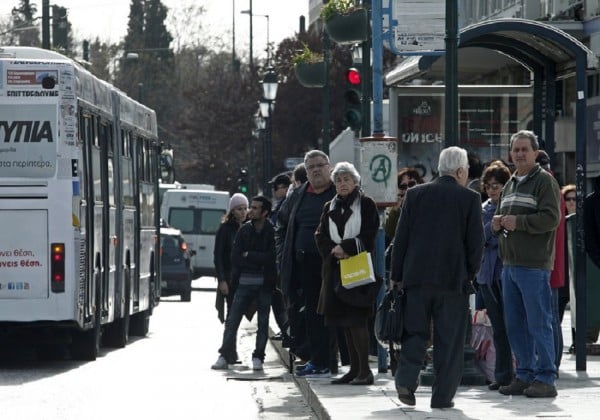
(79, 170)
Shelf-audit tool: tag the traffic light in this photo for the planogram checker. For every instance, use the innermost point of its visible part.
(60, 27)
(243, 181)
(352, 96)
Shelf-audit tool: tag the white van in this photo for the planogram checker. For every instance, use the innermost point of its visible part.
(198, 214)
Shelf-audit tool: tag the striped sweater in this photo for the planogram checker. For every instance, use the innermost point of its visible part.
(535, 200)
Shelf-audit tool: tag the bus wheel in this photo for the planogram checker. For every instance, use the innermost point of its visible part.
(117, 333)
(85, 345)
(140, 323)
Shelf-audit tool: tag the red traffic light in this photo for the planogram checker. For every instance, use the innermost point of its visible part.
(353, 76)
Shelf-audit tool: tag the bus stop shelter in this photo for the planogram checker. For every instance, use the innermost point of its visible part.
(550, 54)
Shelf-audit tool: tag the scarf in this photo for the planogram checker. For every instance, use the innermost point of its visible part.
(344, 217)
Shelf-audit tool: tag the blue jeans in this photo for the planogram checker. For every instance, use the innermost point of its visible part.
(528, 316)
(243, 298)
(494, 303)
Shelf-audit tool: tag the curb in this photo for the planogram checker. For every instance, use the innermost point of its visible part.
(302, 383)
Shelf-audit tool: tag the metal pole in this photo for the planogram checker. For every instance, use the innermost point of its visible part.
(325, 111)
(268, 152)
(233, 35)
(580, 179)
(451, 100)
(367, 87)
(251, 53)
(377, 29)
(46, 24)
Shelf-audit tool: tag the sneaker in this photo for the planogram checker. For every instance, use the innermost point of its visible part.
(516, 387)
(312, 371)
(277, 337)
(539, 389)
(220, 364)
(257, 364)
(301, 366)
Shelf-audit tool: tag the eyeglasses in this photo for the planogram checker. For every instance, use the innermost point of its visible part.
(279, 187)
(408, 185)
(570, 198)
(316, 166)
(494, 186)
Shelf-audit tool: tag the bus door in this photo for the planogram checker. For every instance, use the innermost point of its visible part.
(105, 132)
(87, 130)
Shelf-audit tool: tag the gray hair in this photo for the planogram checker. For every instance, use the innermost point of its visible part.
(526, 134)
(342, 168)
(315, 153)
(451, 159)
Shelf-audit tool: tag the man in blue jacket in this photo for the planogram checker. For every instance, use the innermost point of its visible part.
(253, 270)
(437, 252)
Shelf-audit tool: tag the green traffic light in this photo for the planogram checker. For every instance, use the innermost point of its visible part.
(243, 189)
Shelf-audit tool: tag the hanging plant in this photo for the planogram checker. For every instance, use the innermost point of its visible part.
(345, 22)
(309, 68)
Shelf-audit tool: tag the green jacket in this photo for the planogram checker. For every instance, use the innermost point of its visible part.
(535, 201)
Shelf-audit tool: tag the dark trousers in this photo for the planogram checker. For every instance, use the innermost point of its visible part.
(492, 296)
(279, 310)
(450, 314)
(244, 296)
(308, 274)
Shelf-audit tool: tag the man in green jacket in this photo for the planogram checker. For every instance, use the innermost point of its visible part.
(526, 221)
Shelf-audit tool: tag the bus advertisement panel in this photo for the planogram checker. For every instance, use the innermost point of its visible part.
(28, 138)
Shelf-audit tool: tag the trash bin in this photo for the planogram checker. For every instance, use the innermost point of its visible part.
(592, 281)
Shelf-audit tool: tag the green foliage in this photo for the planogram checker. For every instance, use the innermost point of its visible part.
(307, 56)
(337, 7)
(24, 31)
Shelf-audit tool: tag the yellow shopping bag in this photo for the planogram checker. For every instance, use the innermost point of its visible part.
(357, 270)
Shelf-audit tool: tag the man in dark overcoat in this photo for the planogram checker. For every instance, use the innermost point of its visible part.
(437, 252)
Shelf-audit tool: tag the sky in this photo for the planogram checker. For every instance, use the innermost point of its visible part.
(107, 19)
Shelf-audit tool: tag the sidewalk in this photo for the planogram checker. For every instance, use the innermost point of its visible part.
(578, 396)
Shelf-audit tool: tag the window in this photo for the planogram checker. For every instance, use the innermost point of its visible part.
(195, 221)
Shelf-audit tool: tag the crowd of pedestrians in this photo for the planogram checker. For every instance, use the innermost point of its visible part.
(496, 229)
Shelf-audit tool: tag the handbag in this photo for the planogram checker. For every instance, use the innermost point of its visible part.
(357, 270)
(389, 318)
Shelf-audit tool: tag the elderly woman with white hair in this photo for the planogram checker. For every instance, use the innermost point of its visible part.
(348, 225)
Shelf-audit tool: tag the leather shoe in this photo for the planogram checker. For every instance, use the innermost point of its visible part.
(346, 379)
(406, 396)
(495, 386)
(445, 405)
(367, 380)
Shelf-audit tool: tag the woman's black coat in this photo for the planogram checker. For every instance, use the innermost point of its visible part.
(336, 312)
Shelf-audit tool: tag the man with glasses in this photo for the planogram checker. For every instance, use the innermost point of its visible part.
(299, 262)
(525, 222)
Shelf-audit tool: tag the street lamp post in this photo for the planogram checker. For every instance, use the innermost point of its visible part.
(249, 12)
(269, 85)
(268, 49)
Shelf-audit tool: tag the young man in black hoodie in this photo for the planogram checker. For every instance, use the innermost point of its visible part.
(253, 270)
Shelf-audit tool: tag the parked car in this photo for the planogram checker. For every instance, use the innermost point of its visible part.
(176, 271)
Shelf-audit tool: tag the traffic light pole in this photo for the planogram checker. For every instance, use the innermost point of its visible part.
(46, 24)
(367, 86)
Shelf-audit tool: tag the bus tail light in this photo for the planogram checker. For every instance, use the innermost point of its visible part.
(57, 267)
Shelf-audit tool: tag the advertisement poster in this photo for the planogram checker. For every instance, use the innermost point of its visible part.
(28, 138)
(488, 116)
